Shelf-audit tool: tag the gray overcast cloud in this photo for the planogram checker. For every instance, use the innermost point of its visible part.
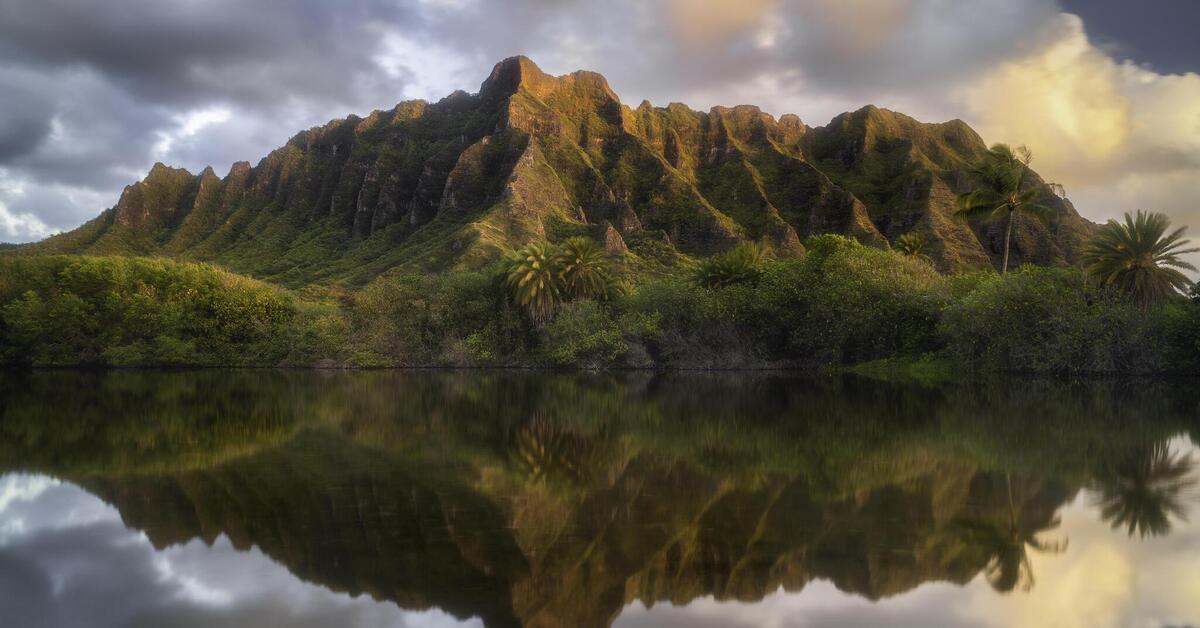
(93, 93)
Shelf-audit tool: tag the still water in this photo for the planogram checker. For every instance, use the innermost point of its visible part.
(423, 499)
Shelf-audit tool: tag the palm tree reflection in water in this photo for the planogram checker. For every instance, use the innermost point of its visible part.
(1007, 542)
(1142, 491)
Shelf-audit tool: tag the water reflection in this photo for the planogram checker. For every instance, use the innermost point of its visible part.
(1143, 490)
(562, 500)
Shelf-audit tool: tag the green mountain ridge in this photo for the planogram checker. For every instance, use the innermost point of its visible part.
(432, 186)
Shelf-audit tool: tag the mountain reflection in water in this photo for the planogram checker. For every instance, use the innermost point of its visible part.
(567, 500)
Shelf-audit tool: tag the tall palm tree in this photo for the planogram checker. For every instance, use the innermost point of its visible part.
(1004, 190)
(1140, 258)
(534, 275)
(1142, 491)
(586, 270)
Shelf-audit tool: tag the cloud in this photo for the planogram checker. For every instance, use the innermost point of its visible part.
(94, 93)
(1120, 137)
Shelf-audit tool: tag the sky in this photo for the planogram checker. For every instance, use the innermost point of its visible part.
(1105, 92)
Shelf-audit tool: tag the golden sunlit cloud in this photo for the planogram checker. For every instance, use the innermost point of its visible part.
(1120, 137)
(1065, 101)
(702, 22)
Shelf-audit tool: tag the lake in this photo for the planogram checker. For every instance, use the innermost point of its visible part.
(428, 499)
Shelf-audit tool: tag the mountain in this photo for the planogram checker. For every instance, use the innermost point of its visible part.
(531, 156)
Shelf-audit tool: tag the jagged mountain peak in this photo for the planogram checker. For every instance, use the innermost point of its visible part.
(453, 183)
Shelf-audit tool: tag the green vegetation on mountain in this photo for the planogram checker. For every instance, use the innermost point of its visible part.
(541, 222)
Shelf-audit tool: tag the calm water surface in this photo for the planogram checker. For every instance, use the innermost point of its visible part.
(262, 498)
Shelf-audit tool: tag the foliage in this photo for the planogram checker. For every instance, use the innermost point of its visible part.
(137, 311)
(841, 304)
(541, 276)
(912, 244)
(1004, 191)
(584, 334)
(410, 319)
(534, 275)
(741, 264)
(1049, 320)
(848, 303)
(1140, 258)
(585, 269)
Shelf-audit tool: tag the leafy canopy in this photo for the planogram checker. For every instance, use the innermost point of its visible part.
(1140, 258)
(541, 276)
(741, 264)
(586, 270)
(1003, 188)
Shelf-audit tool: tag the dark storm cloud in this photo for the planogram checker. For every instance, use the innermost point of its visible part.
(183, 52)
(92, 93)
(23, 119)
(1159, 34)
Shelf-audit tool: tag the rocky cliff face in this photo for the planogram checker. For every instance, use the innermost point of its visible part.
(531, 156)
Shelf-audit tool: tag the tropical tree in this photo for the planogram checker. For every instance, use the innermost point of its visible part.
(1004, 190)
(741, 264)
(586, 270)
(912, 244)
(534, 275)
(1142, 491)
(1140, 258)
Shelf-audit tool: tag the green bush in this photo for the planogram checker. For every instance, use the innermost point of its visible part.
(1048, 320)
(454, 318)
(1182, 323)
(64, 310)
(584, 333)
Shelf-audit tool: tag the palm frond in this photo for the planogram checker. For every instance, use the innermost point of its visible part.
(1139, 257)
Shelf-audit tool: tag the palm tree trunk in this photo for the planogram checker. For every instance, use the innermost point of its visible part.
(1007, 240)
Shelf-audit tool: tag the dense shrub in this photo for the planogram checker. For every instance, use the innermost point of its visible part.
(583, 333)
(1182, 322)
(1049, 320)
(454, 318)
(840, 304)
(136, 311)
(847, 303)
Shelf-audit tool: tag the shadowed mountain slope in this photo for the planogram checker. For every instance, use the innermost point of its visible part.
(531, 156)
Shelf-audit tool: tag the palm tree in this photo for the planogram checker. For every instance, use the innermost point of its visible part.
(912, 244)
(534, 275)
(586, 270)
(1005, 190)
(1141, 492)
(741, 264)
(1140, 258)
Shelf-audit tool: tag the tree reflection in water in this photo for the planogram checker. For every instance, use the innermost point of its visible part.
(1143, 490)
(557, 500)
(1007, 542)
